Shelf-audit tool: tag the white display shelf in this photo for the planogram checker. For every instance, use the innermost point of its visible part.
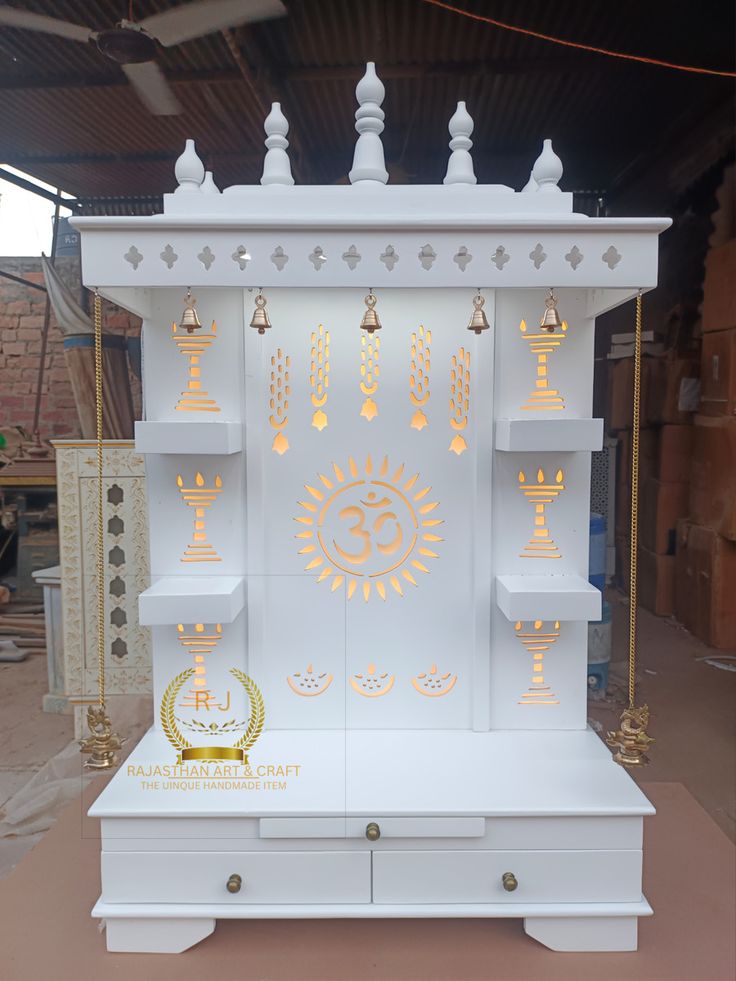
(553, 435)
(169, 600)
(211, 438)
(547, 598)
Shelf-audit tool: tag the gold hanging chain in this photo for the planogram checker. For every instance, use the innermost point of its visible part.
(100, 507)
(631, 740)
(102, 743)
(635, 424)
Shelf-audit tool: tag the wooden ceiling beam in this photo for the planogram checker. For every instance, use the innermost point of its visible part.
(352, 73)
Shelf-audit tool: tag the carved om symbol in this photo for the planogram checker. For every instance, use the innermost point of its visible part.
(369, 537)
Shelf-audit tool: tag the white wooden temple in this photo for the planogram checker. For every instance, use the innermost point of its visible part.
(369, 554)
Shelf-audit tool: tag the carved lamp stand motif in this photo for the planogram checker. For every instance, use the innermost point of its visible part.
(537, 641)
(541, 545)
(193, 346)
(200, 498)
(542, 344)
(199, 644)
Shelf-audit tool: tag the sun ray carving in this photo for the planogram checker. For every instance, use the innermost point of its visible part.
(370, 528)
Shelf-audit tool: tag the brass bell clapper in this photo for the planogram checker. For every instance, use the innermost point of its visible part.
(370, 321)
(189, 319)
(479, 321)
(551, 318)
(260, 321)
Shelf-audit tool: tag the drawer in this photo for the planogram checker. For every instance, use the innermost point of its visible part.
(476, 876)
(267, 877)
(390, 827)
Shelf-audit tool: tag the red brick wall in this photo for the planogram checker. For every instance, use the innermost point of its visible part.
(21, 323)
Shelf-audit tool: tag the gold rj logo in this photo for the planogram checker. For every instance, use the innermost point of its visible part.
(368, 528)
(188, 752)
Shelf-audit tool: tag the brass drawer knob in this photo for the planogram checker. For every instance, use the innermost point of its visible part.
(510, 881)
(372, 831)
(234, 883)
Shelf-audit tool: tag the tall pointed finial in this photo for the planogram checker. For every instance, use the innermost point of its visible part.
(547, 169)
(368, 160)
(531, 185)
(276, 166)
(460, 164)
(188, 170)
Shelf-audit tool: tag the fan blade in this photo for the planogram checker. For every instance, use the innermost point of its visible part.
(13, 17)
(207, 16)
(152, 88)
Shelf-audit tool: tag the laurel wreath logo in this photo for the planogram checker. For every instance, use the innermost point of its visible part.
(256, 720)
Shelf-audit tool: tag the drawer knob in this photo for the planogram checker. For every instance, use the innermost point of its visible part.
(234, 883)
(372, 831)
(510, 881)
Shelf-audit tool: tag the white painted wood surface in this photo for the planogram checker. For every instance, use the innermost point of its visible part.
(415, 877)
(548, 435)
(169, 599)
(267, 877)
(201, 438)
(449, 707)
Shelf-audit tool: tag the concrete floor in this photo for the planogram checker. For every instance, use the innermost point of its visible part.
(691, 706)
(691, 703)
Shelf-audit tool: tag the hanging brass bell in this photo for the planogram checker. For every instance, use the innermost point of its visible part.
(551, 318)
(479, 321)
(260, 319)
(189, 319)
(370, 321)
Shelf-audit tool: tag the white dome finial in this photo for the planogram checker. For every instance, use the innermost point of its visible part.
(530, 186)
(460, 165)
(276, 166)
(188, 170)
(547, 169)
(208, 185)
(368, 160)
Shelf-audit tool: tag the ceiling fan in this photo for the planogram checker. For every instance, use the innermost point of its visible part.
(132, 44)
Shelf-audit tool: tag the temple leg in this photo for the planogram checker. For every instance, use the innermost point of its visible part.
(583, 933)
(156, 935)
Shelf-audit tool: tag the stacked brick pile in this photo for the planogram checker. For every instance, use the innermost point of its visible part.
(21, 322)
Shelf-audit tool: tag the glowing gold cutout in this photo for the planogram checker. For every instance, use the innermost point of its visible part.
(319, 375)
(200, 498)
(537, 641)
(308, 683)
(421, 343)
(370, 349)
(368, 528)
(541, 545)
(541, 344)
(459, 398)
(194, 399)
(198, 644)
(279, 391)
(371, 684)
(432, 684)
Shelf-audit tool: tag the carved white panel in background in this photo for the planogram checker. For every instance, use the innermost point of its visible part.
(128, 645)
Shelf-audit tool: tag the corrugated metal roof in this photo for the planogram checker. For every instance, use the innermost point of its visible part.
(68, 117)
